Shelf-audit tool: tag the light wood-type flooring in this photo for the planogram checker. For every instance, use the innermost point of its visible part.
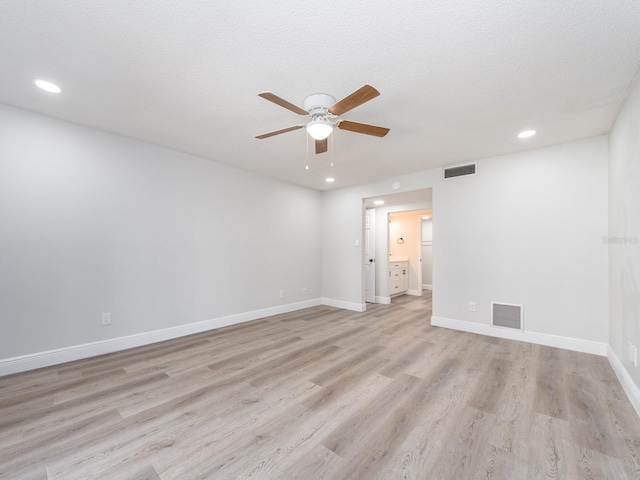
(323, 394)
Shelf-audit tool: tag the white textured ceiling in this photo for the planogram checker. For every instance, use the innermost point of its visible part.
(458, 79)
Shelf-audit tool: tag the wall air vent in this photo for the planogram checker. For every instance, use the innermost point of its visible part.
(506, 315)
(460, 170)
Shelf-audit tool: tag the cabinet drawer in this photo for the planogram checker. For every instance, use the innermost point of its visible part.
(399, 265)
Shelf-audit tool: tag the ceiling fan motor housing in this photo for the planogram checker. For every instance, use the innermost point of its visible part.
(318, 104)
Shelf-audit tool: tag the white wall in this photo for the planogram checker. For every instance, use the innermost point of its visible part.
(342, 271)
(527, 229)
(342, 224)
(624, 236)
(91, 222)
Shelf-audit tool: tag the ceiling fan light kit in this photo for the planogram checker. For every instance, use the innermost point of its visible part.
(324, 112)
(319, 129)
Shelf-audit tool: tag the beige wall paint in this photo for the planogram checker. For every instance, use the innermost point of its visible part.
(407, 225)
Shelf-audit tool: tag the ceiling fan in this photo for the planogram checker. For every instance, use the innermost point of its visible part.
(324, 112)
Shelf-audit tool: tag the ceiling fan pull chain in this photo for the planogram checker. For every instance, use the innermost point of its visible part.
(307, 166)
(333, 142)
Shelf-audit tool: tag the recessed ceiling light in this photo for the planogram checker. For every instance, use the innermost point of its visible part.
(329, 179)
(527, 134)
(379, 202)
(47, 86)
(426, 218)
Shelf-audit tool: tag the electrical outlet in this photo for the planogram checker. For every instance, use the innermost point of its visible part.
(304, 290)
(281, 293)
(632, 353)
(106, 319)
(472, 306)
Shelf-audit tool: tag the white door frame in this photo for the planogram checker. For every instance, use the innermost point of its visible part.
(419, 255)
(369, 255)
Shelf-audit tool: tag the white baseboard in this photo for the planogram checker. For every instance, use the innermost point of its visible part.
(629, 386)
(426, 286)
(567, 343)
(356, 307)
(383, 300)
(77, 352)
(414, 293)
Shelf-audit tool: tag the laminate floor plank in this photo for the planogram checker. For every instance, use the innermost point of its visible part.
(626, 425)
(92, 404)
(158, 359)
(50, 392)
(135, 473)
(465, 450)
(111, 361)
(514, 412)
(158, 393)
(596, 466)
(297, 364)
(425, 444)
(292, 437)
(323, 393)
(550, 395)
(181, 360)
(320, 462)
(21, 458)
(344, 383)
(227, 437)
(491, 386)
(350, 359)
(589, 419)
(552, 453)
(150, 427)
(256, 356)
(33, 380)
(162, 429)
(389, 433)
(361, 426)
(282, 438)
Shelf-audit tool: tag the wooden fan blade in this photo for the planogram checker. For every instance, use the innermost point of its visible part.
(278, 132)
(321, 146)
(363, 128)
(272, 97)
(357, 98)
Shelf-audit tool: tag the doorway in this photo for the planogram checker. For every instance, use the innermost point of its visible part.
(405, 249)
(376, 242)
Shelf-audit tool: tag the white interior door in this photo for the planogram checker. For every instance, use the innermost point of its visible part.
(418, 251)
(369, 256)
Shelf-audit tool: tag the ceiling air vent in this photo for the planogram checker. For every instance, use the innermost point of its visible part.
(460, 170)
(506, 315)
